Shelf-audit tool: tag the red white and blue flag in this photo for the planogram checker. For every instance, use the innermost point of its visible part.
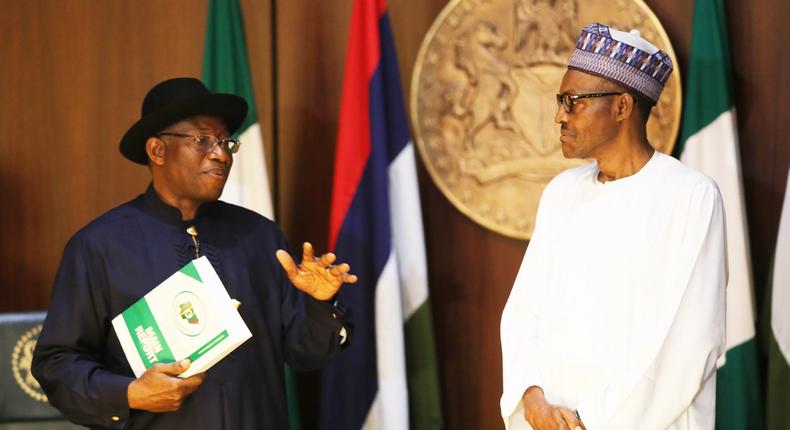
(386, 378)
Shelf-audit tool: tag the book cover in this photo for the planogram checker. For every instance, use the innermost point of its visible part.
(189, 315)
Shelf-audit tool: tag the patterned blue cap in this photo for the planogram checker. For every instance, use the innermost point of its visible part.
(624, 58)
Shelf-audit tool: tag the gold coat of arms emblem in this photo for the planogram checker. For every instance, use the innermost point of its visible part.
(483, 100)
(21, 360)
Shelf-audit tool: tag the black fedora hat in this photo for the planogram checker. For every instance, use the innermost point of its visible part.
(174, 100)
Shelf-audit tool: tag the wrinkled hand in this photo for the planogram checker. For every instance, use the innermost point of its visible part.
(542, 415)
(317, 277)
(160, 390)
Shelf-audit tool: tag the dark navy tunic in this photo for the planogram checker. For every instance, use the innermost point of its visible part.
(118, 258)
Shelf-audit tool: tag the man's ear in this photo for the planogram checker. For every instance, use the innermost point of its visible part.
(625, 106)
(155, 148)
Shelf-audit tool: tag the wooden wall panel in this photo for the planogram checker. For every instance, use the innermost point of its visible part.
(75, 84)
(411, 20)
(311, 45)
(72, 84)
(761, 75)
(258, 25)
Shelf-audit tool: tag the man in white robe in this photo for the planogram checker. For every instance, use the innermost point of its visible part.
(616, 317)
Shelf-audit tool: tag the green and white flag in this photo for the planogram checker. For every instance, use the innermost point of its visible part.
(777, 410)
(226, 69)
(709, 143)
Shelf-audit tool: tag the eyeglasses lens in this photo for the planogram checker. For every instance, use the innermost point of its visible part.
(208, 143)
(566, 101)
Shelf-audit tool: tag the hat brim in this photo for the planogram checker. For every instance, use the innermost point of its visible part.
(231, 108)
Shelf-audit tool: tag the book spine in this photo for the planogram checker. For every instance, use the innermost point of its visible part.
(145, 333)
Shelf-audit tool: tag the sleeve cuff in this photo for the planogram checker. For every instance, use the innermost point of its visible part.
(325, 312)
(330, 314)
(115, 388)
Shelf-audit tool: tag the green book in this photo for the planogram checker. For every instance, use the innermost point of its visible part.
(189, 315)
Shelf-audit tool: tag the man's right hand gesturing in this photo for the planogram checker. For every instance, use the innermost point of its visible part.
(159, 389)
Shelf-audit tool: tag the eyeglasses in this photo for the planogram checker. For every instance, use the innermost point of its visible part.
(566, 100)
(207, 143)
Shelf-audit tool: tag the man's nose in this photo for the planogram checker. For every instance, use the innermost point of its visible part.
(560, 116)
(220, 153)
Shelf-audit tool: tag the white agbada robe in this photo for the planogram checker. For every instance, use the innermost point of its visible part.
(618, 308)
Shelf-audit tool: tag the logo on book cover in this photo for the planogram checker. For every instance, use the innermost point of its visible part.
(189, 314)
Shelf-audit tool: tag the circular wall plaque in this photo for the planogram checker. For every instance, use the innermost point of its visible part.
(483, 100)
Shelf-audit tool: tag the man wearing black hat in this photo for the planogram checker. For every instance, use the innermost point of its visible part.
(184, 138)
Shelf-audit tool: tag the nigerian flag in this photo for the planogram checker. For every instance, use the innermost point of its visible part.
(777, 414)
(226, 70)
(709, 143)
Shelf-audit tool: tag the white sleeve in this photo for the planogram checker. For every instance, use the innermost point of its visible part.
(686, 363)
(520, 330)
(520, 335)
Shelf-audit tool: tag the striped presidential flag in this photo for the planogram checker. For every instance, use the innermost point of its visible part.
(386, 378)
